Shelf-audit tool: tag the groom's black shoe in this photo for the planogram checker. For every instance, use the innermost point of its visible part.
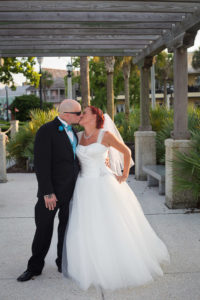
(59, 269)
(27, 275)
(57, 261)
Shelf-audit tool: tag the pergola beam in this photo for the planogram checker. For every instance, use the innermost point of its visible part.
(115, 6)
(74, 42)
(134, 48)
(137, 28)
(91, 16)
(193, 20)
(84, 25)
(112, 31)
(79, 37)
(64, 52)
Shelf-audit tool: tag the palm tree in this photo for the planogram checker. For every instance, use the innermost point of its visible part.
(47, 81)
(126, 68)
(85, 81)
(109, 64)
(164, 70)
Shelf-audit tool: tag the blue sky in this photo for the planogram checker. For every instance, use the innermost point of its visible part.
(61, 62)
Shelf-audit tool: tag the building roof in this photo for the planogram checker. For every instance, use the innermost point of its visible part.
(20, 90)
(56, 73)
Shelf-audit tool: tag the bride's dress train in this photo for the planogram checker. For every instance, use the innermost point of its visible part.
(109, 242)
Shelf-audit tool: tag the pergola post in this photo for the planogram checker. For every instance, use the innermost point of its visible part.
(145, 146)
(180, 134)
(3, 175)
(14, 127)
(180, 131)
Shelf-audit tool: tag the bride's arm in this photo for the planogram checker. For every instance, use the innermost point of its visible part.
(110, 140)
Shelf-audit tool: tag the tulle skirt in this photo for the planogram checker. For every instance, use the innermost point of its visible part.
(109, 242)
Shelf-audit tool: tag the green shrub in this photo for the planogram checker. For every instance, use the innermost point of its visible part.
(167, 126)
(158, 117)
(127, 128)
(161, 136)
(25, 104)
(4, 127)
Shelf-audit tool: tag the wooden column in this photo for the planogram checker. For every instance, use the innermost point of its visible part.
(3, 176)
(180, 131)
(15, 127)
(144, 94)
(180, 135)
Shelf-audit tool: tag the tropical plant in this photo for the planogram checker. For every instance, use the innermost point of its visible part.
(127, 128)
(167, 126)
(158, 117)
(21, 146)
(187, 168)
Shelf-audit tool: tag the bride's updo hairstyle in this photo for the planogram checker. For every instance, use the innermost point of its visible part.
(100, 116)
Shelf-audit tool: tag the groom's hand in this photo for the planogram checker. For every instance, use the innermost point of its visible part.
(50, 201)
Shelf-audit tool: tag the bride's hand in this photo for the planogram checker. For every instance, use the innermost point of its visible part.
(121, 179)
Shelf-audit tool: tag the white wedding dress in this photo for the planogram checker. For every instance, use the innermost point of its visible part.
(109, 242)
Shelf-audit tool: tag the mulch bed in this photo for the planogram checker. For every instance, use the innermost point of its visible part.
(18, 169)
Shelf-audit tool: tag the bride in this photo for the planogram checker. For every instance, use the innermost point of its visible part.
(109, 242)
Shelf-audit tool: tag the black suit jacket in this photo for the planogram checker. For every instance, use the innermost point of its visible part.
(54, 163)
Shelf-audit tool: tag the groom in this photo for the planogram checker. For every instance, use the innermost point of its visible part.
(56, 167)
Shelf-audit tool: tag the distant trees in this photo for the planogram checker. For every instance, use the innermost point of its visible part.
(47, 82)
(123, 81)
(164, 70)
(15, 65)
(196, 59)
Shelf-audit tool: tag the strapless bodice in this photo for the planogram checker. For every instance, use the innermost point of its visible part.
(92, 160)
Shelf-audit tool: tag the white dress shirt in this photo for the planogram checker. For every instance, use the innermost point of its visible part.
(69, 133)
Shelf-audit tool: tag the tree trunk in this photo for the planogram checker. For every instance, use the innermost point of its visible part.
(126, 72)
(109, 63)
(165, 92)
(85, 81)
(44, 95)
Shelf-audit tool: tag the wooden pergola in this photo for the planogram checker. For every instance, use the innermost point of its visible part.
(140, 29)
(103, 28)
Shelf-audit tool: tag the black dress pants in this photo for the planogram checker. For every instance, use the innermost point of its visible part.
(44, 219)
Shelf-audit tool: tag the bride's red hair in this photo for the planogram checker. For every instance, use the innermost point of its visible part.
(100, 116)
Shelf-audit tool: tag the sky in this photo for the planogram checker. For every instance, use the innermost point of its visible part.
(61, 62)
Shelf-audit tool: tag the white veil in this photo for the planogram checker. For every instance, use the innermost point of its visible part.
(116, 158)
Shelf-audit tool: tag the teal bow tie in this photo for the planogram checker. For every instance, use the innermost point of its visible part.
(69, 127)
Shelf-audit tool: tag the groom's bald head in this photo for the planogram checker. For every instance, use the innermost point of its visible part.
(67, 106)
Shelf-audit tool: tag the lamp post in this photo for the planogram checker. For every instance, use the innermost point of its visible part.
(69, 81)
(40, 60)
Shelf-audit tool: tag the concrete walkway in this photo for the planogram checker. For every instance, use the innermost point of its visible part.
(179, 230)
